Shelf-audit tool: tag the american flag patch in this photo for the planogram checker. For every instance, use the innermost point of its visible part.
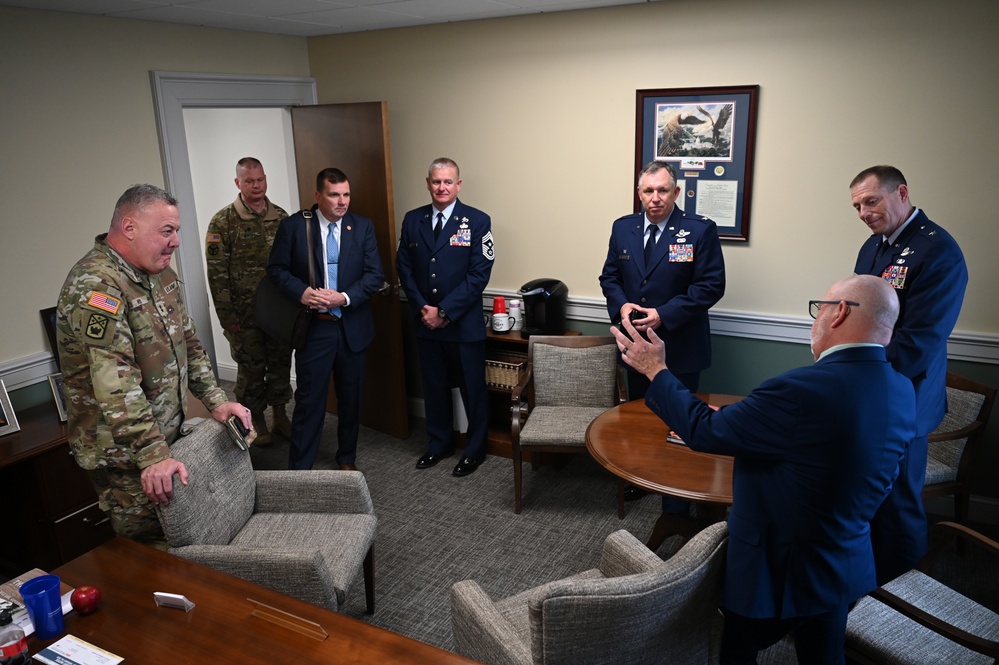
(105, 302)
(213, 237)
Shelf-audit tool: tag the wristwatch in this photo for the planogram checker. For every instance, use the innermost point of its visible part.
(441, 313)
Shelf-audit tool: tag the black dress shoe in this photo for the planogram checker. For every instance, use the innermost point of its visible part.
(467, 465)
(431, 459)
(632, 493)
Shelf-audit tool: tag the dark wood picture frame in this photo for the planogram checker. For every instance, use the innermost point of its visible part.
(709, 136)
(49, 322)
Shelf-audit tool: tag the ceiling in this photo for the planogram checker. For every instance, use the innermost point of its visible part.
(307, 18)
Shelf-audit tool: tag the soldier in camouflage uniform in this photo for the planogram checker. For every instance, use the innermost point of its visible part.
(129, 355)
(237, 247)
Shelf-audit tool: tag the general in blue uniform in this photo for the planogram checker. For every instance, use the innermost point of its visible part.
(342, 328)
(444, 273)
(926, 267)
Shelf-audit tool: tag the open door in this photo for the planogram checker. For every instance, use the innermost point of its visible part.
(355, 139)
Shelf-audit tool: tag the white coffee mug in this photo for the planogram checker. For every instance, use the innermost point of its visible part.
(502, 322)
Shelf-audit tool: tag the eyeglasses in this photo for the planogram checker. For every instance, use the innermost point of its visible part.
(813, 305)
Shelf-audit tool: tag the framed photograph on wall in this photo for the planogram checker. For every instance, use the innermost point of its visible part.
(709, 136)
(55, 382)
(8, 421)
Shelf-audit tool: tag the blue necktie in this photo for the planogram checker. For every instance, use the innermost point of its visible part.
(332, 262)
(650, 245)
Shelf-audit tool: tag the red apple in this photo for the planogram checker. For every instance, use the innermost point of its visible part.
(85, 599)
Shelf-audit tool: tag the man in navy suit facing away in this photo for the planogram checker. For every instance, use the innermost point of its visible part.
(816, 452)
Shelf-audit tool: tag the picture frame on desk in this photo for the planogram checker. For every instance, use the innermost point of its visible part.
(49, 323)
(8, 420)
(55, 382)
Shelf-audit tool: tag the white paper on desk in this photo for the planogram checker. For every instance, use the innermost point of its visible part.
(25, 623)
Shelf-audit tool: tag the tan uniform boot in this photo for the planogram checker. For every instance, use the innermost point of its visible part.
(260, 425)
(282, 425)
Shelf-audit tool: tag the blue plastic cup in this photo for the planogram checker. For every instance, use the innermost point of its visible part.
(44, 603)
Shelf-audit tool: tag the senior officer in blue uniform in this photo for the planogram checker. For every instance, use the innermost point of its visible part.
(444, 261)
(348, 273)
(926, 267)
(816, 451)
(666, 268)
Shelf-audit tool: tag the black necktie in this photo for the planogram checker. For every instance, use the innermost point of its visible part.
(438, 225)
(651, 244)
(879, 255)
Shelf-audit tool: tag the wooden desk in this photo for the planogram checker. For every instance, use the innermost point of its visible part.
(220, 629)
(630, 442)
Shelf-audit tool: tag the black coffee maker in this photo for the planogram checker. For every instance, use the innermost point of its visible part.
(545, 304)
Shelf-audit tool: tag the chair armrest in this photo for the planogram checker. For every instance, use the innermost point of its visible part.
(954, 530)
(623, 554)
(950, 435)
(299, 573)
(520, 397)
(321, 491)
(481, 632)
(937, 625)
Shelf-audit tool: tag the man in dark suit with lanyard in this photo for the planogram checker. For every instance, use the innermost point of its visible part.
(348, 273)
(444, 261)
(664, 271)
(816, 451)
(926, 267)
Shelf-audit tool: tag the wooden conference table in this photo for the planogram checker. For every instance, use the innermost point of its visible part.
(630, 442)
(220, 628)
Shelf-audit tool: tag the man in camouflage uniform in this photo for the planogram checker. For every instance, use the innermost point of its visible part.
(129, 355)
(237, 247)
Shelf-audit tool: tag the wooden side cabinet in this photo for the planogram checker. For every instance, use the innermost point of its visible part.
(50, 501)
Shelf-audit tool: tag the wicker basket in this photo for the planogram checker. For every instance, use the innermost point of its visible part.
(505, 369)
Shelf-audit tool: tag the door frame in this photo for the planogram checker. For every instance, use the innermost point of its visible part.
(172, 93)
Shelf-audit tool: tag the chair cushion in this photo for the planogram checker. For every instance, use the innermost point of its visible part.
(565, 376)
(343, 540)
(937, 472)
(883, 634)
(218, 498)
(558, 425)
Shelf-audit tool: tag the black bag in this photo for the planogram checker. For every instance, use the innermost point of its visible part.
(285, 320)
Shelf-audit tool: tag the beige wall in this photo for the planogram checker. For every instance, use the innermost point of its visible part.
(539, 111)
(77, 126)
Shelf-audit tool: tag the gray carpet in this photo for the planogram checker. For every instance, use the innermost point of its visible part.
(435, 529)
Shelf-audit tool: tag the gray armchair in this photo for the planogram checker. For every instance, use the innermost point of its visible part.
(954, 445)
(303, 533)
(635, 608)
(915, 619)
(570, 380)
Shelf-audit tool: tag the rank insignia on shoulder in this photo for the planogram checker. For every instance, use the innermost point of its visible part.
(105, 302)
(97, 326)
(488, 250)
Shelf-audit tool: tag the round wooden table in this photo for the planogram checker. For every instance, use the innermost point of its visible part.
(630, 442)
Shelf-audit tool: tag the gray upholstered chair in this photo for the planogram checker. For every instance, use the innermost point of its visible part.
(914, 619)
(635, 608)
(954, 446)
(303, 533)
(570, 380)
